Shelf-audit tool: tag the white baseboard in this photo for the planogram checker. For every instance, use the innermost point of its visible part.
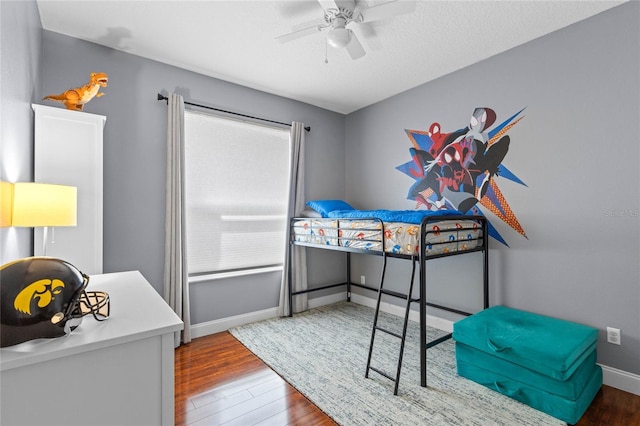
(620, 379)
(223, 324)
(613, 377)
(432, 321)
(327, 300)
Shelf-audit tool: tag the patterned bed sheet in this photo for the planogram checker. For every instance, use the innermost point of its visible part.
(442, 237)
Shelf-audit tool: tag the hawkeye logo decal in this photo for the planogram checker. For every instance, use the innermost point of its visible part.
(44, 291)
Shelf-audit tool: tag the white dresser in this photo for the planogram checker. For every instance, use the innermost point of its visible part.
(116, 372)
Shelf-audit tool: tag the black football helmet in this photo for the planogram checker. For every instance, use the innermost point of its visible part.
(44, 297)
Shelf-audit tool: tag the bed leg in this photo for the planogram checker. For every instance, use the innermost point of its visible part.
(289, 278)
(348, 277)
(423, 320)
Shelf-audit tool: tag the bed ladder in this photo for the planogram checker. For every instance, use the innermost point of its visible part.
(402, 336)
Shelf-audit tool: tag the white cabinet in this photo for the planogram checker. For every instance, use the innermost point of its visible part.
(115, 372)
(68, 151)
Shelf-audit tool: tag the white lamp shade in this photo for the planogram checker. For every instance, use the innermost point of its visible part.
(339, 37)
(40, 204)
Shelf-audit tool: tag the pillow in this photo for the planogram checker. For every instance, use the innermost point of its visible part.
(310, 213)
(325, 206)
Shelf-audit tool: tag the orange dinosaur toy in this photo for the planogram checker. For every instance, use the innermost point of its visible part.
(76, 98)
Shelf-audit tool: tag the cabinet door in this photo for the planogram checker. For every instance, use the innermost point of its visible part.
(68, 151)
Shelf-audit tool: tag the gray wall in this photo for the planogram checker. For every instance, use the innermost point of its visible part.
(20, 77)
(134, 160)
(577, 149)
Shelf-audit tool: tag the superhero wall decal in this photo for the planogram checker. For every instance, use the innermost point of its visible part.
(457, 170)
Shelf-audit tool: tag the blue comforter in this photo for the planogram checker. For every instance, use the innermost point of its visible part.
(406, 216)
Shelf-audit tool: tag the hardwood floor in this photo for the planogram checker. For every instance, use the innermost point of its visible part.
(612, 407)
(220, 382)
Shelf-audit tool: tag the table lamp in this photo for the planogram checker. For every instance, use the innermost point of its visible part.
(39, 204)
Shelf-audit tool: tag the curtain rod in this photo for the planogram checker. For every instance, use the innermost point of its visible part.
(165, 98)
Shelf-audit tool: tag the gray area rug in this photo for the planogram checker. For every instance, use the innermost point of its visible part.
(323, 353)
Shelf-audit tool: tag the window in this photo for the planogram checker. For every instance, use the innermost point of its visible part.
(237, 184)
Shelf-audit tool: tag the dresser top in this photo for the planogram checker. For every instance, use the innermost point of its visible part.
(137, 312)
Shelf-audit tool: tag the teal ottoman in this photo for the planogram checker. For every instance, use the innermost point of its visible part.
(547, 363)
(568, 410)
(571, 388)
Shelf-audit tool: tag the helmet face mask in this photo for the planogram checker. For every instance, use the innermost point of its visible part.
(43, 297)
(96, 303)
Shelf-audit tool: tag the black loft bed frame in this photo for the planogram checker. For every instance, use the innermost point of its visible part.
(482, 246)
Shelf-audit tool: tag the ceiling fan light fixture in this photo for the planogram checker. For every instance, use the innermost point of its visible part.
(339, 37)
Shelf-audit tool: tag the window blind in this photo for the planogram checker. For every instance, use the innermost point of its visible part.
(237, 182)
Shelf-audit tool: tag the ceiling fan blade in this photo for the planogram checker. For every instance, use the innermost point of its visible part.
(366, 33)
(355, 49)
(387, 10)
(299, 34)
(328, 4)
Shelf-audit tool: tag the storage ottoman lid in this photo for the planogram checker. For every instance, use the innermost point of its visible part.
(548, 345)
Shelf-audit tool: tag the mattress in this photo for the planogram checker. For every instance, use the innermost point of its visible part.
(442, 237)
(316, 231)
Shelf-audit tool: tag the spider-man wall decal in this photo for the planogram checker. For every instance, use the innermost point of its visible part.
(456, 170)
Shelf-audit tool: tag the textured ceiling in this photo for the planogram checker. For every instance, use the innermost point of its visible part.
(234, 41)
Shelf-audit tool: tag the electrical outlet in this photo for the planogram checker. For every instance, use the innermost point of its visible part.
(362, 280)
(613, 335)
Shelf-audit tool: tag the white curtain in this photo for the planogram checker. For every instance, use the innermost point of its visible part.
(176, 286)
(295, 208)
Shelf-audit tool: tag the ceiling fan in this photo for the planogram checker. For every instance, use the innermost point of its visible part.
(340, 14)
